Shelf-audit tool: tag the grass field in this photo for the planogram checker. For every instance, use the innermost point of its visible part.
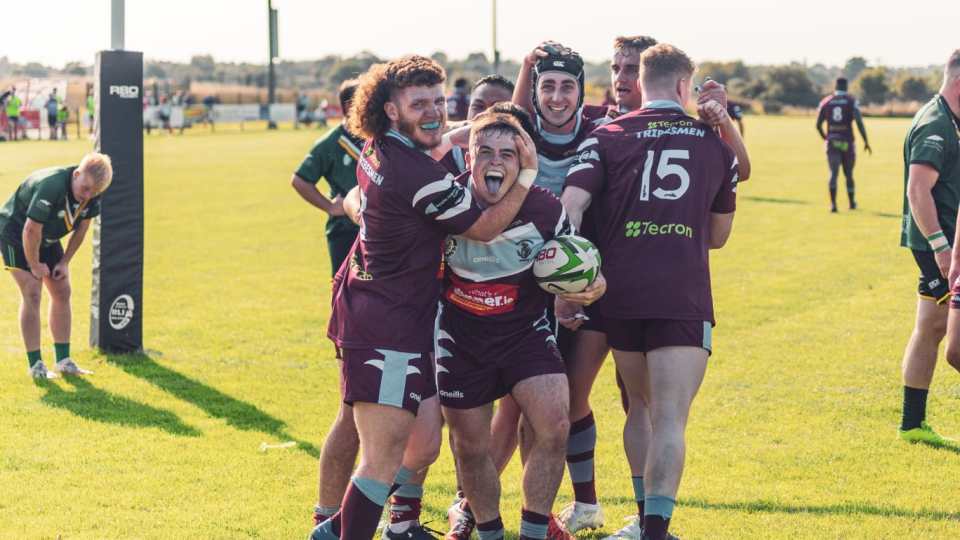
(792, 436)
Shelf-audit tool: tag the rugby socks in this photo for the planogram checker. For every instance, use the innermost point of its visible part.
(638, 494)
(405, 507)
(62, 350)
(580, 447)
(533, 526)
(33, 357)
(491, 530)
(914, 407)
(322, 513)
(656, 518)
(362, 507)
(833, 199)
(402, 477)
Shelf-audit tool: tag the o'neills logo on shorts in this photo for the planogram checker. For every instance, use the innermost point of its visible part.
(121, 312)
(483, 298)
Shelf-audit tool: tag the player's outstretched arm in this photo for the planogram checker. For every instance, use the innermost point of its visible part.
(721, 225)
(920, 181)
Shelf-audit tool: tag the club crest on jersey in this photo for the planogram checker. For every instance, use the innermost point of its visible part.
(525, 250)
(450, 246)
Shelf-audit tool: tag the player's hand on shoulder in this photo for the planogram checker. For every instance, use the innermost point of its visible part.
(591, 294)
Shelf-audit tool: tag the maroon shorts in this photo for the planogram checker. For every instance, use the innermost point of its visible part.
(645, 335)
(387, 377)
(471, 375)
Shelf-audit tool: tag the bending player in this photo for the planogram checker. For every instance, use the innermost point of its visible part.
(839, 110)
(47, 206)
(659, 326)
(385, 296)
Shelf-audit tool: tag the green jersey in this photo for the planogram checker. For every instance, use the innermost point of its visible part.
(334, 157)
(13, 106)
(90, 105)
(934, 140)
(45, 197)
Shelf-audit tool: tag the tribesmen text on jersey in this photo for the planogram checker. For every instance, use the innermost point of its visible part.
(839, 110)
(557, 152)
(47, 198)
(386, 295)
(656, 175)
(494, 331)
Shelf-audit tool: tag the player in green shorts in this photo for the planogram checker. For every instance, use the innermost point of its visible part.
(334, 158)
(931, 155)
(47, 206)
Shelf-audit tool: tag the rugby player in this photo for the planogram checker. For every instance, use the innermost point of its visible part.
(334, 158)
(658, 323)
(495, 336)
(385, 295)
(458, 101)
(839, 110)
(47, 206)
(735, 111)
(931, 198)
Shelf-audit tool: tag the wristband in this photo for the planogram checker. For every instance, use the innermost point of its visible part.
(938, 242)
(527, 176)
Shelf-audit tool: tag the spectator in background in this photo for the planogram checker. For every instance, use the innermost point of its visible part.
(13, 113)
(63, 115)
(165, 111)
(3, 110)
(735, 110)
(459, 100)
(208, 103)
(301, 105)
(53, 107)
(91, 109)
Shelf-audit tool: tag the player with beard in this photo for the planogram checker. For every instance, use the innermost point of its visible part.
(385, 296)
(495, 337)
(658, 324)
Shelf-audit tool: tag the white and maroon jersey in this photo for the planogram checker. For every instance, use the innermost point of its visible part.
(386, 294)
(556, 153)
(655, 175)
(492, 282)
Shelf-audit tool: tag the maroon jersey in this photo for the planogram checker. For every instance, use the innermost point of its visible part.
(556, 153)
(492, 282)
(656, 175)
(454, 161)
(387, 293)
(839, 110)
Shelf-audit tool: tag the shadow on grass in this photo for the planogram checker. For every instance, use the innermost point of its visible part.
(238, 414)
(775, 200)
(840, 509)
(88, 401)
(887, 215)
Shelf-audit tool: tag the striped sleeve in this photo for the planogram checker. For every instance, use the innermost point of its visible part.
(448, 203)
(588, 171)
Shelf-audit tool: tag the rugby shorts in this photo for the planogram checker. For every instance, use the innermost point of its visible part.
(387, 377)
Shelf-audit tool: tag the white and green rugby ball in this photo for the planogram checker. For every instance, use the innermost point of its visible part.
(566, 264)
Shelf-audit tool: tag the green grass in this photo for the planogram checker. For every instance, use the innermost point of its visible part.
(792, 436)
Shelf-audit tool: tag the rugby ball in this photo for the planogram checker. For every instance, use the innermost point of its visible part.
(566, 264)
